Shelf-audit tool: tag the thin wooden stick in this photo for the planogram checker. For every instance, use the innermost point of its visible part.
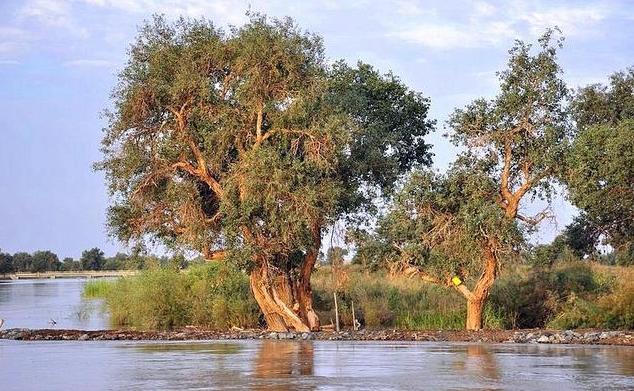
(354, 320)
(336, 310)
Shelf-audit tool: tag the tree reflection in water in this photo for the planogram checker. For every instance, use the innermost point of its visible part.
(478, 360)
(280, 360)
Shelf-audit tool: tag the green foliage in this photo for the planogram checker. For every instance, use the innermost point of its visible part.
(568, 295)
(625, 255)
(335, 256)
(98, 288)
(22, 262)
(211, 295)
(383, 301)
(247, 140)
(546, 255)
(597, 104)
(391, 123)
(69, 264)
(524, 130)
(600, 166)
(440, 222)
(92, 259)
(6, 263)
(44, 261)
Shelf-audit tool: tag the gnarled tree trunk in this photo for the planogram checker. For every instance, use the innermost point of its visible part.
(285, 297)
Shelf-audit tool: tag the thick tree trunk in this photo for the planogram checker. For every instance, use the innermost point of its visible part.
(286, 302)
(273, 290)
(285, 295)
(475, 308)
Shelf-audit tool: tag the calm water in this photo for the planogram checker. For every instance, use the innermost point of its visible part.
(281, 365)
(34, 303)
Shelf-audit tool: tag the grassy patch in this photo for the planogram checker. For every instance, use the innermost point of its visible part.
(384, 301)
(98, 288)
(212, 295)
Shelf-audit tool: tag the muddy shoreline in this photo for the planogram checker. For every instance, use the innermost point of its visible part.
(587, 337)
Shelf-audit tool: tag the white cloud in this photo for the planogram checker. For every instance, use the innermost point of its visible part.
(571, 20)
(12, 41)
(89, 63)
(226, 10)
(52, 13)
(449, 36)
(488, 25)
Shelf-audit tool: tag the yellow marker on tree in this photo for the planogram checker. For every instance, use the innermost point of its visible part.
(456, 280)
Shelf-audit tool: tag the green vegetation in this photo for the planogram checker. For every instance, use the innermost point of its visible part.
(574, 294)
(98, 288)
(246, 145)
(212, 295)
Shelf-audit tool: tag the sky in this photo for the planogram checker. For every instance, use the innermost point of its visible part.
(59, 60)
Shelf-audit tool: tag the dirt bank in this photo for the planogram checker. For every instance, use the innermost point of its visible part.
(596, 337)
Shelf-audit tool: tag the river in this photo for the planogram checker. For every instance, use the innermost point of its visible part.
(284, 365)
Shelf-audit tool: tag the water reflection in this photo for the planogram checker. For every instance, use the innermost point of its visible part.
(279, 360)
(286, 365)
(478, 360)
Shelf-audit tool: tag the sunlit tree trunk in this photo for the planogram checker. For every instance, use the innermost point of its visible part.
(285, 297)
(477, 298)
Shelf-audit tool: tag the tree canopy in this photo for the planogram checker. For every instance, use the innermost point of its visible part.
(600, 174)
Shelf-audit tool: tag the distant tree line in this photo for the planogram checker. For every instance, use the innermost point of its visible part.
(92, 259)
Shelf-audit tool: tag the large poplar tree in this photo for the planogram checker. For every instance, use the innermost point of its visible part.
(245, 145)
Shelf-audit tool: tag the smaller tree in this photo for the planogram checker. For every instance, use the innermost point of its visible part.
(448, 230)
(6, 263)
(44, 261)
(69, 264)
(600, 165)
(92, 259)
(22, 262)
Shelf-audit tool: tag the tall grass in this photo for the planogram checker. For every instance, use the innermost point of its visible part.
(213, 296)
(98, 288)
(384, 301)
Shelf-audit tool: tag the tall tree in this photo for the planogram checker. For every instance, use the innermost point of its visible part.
(600, 166)
(22, 262)
(246, 145)
(92, 259)
(44, 261)
(515, 144)
(6, 263)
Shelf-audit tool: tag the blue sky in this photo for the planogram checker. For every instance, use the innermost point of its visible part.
(59, 59)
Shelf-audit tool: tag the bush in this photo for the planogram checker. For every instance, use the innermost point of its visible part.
(570, 295)
(212, 295)
(613, 309)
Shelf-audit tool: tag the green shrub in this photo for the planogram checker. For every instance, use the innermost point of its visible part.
(212, 296)
(570, 295)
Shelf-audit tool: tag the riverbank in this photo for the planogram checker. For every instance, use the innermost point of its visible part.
(586, 337)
